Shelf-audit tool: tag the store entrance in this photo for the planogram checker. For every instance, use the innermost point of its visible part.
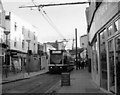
(114, 64)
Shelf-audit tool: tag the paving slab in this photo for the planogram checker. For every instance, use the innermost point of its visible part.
(80, 82)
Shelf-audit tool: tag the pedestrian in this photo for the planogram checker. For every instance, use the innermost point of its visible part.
(79, 64)
(13, 67)
(82, 63)
(76, 64)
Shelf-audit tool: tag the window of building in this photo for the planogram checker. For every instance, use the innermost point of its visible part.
(7, 17)
(110, 30)
(15, 26)
(103, 59)
(23, 45)
(82, 43)
(29, 33)
(15, 43)
(95, 56)
(1, 60)
(116, 26)
(117, 51)
(34, 47)
(111, 64)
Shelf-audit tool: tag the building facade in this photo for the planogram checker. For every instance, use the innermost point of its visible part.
(103, 20)
(22, 38)
(83, 44)
(83, 41)
(2, 35)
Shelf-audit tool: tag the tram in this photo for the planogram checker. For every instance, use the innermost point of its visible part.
(60, 61)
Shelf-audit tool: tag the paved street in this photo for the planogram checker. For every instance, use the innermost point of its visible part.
(80, 82)
(36, 84)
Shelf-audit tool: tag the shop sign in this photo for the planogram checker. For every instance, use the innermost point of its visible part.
(13, 53)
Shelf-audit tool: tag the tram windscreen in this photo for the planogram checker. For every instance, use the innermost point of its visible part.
(56, 59)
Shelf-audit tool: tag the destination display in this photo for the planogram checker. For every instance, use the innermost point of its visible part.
(56, 52)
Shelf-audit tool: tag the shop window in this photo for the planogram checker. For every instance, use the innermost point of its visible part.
(117, 43)
(1, 61)
(94, 57)
(111, 65)
(103, 60)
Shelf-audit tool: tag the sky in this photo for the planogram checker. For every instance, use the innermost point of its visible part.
(62, 19)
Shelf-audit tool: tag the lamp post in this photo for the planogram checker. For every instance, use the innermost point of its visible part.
(76, 47)
(28, 54)
(6, 54)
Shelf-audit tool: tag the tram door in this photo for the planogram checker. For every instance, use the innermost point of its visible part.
(114, 64)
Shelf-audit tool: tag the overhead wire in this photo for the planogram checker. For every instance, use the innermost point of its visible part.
(53, 24)
(47, 18)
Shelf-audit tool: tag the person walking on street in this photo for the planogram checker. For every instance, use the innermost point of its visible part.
(82, 63)
(76, 63)
(79, 64)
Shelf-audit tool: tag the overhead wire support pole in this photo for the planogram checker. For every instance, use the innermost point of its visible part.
(76, 45)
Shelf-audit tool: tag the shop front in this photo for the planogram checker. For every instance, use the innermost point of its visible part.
(114, 63)
(3, 47)
(18, 60)
(2, 51)
(109, 51)
(104, 38)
